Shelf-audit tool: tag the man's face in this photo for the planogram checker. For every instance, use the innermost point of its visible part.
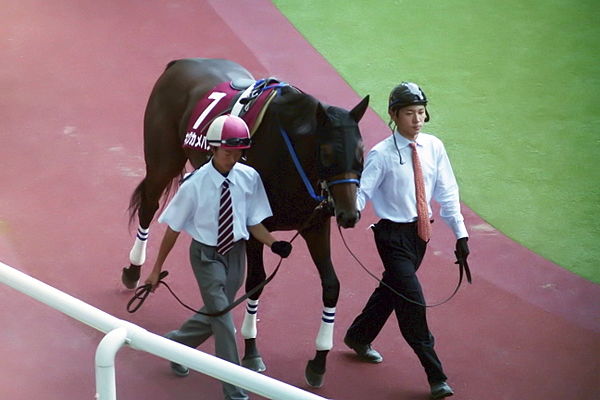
(409, 120)
(224, 159)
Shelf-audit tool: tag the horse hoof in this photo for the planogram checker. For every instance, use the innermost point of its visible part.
(131, 276)
(313, 378)
(255, 364)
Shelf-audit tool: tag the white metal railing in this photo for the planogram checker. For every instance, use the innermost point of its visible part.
(121, 332)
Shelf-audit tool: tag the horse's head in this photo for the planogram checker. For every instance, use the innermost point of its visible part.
(340, 158)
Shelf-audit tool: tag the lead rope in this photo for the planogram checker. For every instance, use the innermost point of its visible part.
(462, 265)
(142, 292)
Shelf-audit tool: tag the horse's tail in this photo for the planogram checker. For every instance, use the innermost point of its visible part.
(139, 195)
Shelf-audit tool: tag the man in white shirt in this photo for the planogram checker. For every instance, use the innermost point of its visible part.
(217, 258)
(390, 182)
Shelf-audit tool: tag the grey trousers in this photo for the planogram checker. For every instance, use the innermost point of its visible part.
(219, 278)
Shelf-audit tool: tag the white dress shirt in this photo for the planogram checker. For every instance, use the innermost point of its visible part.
(195, 206)
(389, 184)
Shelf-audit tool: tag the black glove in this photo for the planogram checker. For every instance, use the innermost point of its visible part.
(461, 253)
(281, 248)
(462, 249)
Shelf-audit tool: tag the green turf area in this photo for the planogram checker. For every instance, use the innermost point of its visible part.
(514, 93)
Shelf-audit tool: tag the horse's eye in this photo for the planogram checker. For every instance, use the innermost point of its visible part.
(327, 156)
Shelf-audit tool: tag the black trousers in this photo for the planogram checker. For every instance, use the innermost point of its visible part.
(401, 252)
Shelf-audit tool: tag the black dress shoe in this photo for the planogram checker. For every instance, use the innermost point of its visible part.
(440, 390)
(364, 351)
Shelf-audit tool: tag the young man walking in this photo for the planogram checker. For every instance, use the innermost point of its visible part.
(401, 175)
(219, 206)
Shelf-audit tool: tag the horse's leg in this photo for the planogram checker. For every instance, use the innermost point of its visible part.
(150, 192)
(137, 256)
(318, 242)
(146, 198)
(256, 274)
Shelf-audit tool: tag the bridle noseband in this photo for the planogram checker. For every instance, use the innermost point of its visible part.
(326, 196)
(350, 180)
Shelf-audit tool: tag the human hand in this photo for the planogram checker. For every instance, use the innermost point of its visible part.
(462, 249)
(153, 279)
(461, 253)
(281, 248)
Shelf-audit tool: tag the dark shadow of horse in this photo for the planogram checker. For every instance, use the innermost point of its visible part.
(327, 144)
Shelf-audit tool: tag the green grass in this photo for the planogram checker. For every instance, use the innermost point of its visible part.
(514, 93)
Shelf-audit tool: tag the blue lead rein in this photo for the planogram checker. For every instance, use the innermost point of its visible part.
(294, 156)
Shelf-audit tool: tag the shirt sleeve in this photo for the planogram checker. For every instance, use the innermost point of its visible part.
(446, 194)
(370, 179)
(258, 204)
(180, 209)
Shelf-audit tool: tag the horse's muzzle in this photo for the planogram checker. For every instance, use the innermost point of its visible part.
(347, 219)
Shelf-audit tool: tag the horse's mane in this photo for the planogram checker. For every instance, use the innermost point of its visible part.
(292, 107)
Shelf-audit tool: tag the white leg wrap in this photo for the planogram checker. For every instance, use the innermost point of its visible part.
(249, 330)
(137, 255)
(325, 336)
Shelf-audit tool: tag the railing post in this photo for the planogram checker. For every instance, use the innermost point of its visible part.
(106, 352)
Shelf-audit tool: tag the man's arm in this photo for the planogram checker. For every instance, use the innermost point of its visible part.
(260, 233)
(166, 245)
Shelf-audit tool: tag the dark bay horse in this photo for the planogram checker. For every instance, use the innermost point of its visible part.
(327, 144)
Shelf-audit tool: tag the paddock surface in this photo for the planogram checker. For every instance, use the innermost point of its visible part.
(75, 78)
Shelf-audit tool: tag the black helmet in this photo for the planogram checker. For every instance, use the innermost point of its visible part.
(407, 94)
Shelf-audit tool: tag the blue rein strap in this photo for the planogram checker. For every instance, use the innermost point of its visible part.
(350, 180)
(292, 152)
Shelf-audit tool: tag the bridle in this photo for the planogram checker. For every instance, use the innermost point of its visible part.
(324, 184)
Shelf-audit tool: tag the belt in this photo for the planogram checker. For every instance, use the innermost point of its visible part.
(389, 221)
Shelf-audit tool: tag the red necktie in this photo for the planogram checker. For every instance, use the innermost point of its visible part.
(423, 224)
(225, 235)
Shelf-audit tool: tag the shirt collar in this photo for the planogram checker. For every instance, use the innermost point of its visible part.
(216, 176)
(404, 142)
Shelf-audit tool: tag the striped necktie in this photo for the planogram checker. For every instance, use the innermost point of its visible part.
(423, 224)
(225, 232)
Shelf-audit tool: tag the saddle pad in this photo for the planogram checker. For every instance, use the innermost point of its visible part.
(220, 100)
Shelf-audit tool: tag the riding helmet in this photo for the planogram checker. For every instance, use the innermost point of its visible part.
(407, 94)
(228, 131)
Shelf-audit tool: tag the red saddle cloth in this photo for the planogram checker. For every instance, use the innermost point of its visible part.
(221, 100)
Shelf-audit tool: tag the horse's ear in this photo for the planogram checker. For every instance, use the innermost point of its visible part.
(357, 112)
(322, 117)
